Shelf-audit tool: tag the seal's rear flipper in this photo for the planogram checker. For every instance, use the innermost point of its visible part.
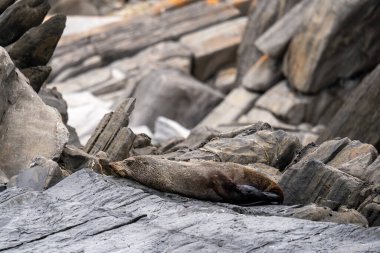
(254, 196)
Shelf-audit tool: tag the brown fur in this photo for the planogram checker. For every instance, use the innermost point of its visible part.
(202, 180)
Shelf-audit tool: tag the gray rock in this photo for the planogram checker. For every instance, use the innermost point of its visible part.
(234, 105)
(94, 213)
(52, 97)
(262, 75)
(172, 94)
(370, 208)
(112, 134)
(285, 103)
(28, 128)
(354, 159)
(74, 159)
(225, 80)
(318, 54)
(215, 46)
(273, 148)
(341, 216)
(41, 175)
(314, 182)
(373, 172)
(262, 15)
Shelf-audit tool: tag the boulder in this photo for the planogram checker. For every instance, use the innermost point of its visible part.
(214, 47)
(175, 95)
(354, 159)
(319, 213)
(262, 75)
(41, 175)
(275, 40)
(321, 184)
(28, 128)
(37, 45)
(234, 105)
(358, 117)
(284, 103)
(372, 173)
(20, 17)
(262, 15)
(74, 159)
(273, 148)
(318, 53)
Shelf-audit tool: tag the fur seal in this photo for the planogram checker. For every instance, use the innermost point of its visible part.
(219, 182)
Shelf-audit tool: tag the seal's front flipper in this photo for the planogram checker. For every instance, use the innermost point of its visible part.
(253, 196)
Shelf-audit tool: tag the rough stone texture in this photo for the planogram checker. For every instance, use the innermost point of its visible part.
(262, 75)
(373, 172)
(74, 159)
(336, 173)
(215, 46)
(358, 118)
(37, 76)
(37, 45)
(275, 40)
(19, 18)
(234, 105)
(354, 159)
(28, 127)
(262, 15)
(94, 213)
(258, 115)
(122, 40)
(112, 135)
(318, 54)
(172, 94)
(41, 175)
(318, 213)
(321, 184)
(370, 208)
(284, 103)
(274, 148)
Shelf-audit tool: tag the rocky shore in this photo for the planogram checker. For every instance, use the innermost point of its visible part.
(284, 89)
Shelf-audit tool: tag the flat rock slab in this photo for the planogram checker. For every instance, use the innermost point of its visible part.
(215, 46)
(93, 213)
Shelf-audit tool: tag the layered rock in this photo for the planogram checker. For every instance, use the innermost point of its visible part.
(91, 212)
